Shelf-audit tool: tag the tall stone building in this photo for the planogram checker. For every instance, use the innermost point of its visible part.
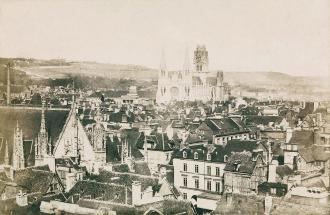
(189, 84)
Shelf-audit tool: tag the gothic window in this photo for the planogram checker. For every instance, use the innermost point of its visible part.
(225, 158)
(208, 156)
(184, 154)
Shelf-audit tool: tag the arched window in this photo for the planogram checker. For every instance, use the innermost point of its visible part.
(184, 154)
(208, 156)
(195, 155)
(225, 158)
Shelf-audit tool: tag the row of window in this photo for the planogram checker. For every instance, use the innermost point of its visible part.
(208, 184)
(208, 157)
(208, 169)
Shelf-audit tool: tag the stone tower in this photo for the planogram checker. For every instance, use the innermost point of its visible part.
(187, 76)
(42, 146)
(18, 153)
(162, 80)
(201, 59)
(219, 89)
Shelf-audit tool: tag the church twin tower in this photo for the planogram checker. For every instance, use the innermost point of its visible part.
(191, 84)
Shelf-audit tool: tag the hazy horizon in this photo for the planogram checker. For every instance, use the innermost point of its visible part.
(286, 36)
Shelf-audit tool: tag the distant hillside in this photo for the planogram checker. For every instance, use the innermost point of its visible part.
(59, 68)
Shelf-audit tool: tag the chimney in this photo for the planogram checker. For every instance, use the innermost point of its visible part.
(136, 192)
(272, 171)
(289, 132)
(319, 119)
(8, 84)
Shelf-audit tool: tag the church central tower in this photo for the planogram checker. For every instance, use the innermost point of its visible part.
(201, 59)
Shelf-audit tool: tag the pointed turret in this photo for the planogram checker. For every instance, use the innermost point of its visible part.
(145, 148)
(186, 64)
(18, 151)
(162, 65)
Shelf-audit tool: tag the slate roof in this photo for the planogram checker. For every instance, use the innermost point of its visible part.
(158, 141)
(240, 162)
(29, 121)
(262, 120)
(225, 125)
(217, 151)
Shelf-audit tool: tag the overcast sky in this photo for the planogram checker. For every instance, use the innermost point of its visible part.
(290, 36)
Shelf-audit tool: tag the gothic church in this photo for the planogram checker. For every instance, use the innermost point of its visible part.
(191, 84)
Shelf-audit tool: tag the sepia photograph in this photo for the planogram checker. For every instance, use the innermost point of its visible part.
(164, 107)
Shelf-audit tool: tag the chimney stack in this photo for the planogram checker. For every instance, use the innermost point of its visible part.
(8, 84)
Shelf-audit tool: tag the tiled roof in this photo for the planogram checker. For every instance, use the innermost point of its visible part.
(262, 120)
(142, 168)
(314, 153)
(105, 191)
(302, 138)
(33, 179)
(284, 170)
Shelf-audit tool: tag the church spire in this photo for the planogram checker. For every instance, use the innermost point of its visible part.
(18, 154)
(186, 64)
(43, 121)
(162, 65)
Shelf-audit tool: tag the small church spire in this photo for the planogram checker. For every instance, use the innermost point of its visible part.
(186, 64)
(162, 61)
(43, 121)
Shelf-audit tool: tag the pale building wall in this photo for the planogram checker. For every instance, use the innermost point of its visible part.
(202, 176)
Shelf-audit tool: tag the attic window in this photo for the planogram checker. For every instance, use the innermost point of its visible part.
(208, 156)
(225, 158)
(195, 155)
(184, 154)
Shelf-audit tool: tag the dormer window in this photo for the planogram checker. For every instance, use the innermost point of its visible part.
(184, 154)
(208, 156)
(195, 155)
(225, 158)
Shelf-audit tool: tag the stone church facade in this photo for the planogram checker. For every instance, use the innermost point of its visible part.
(194, 84)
